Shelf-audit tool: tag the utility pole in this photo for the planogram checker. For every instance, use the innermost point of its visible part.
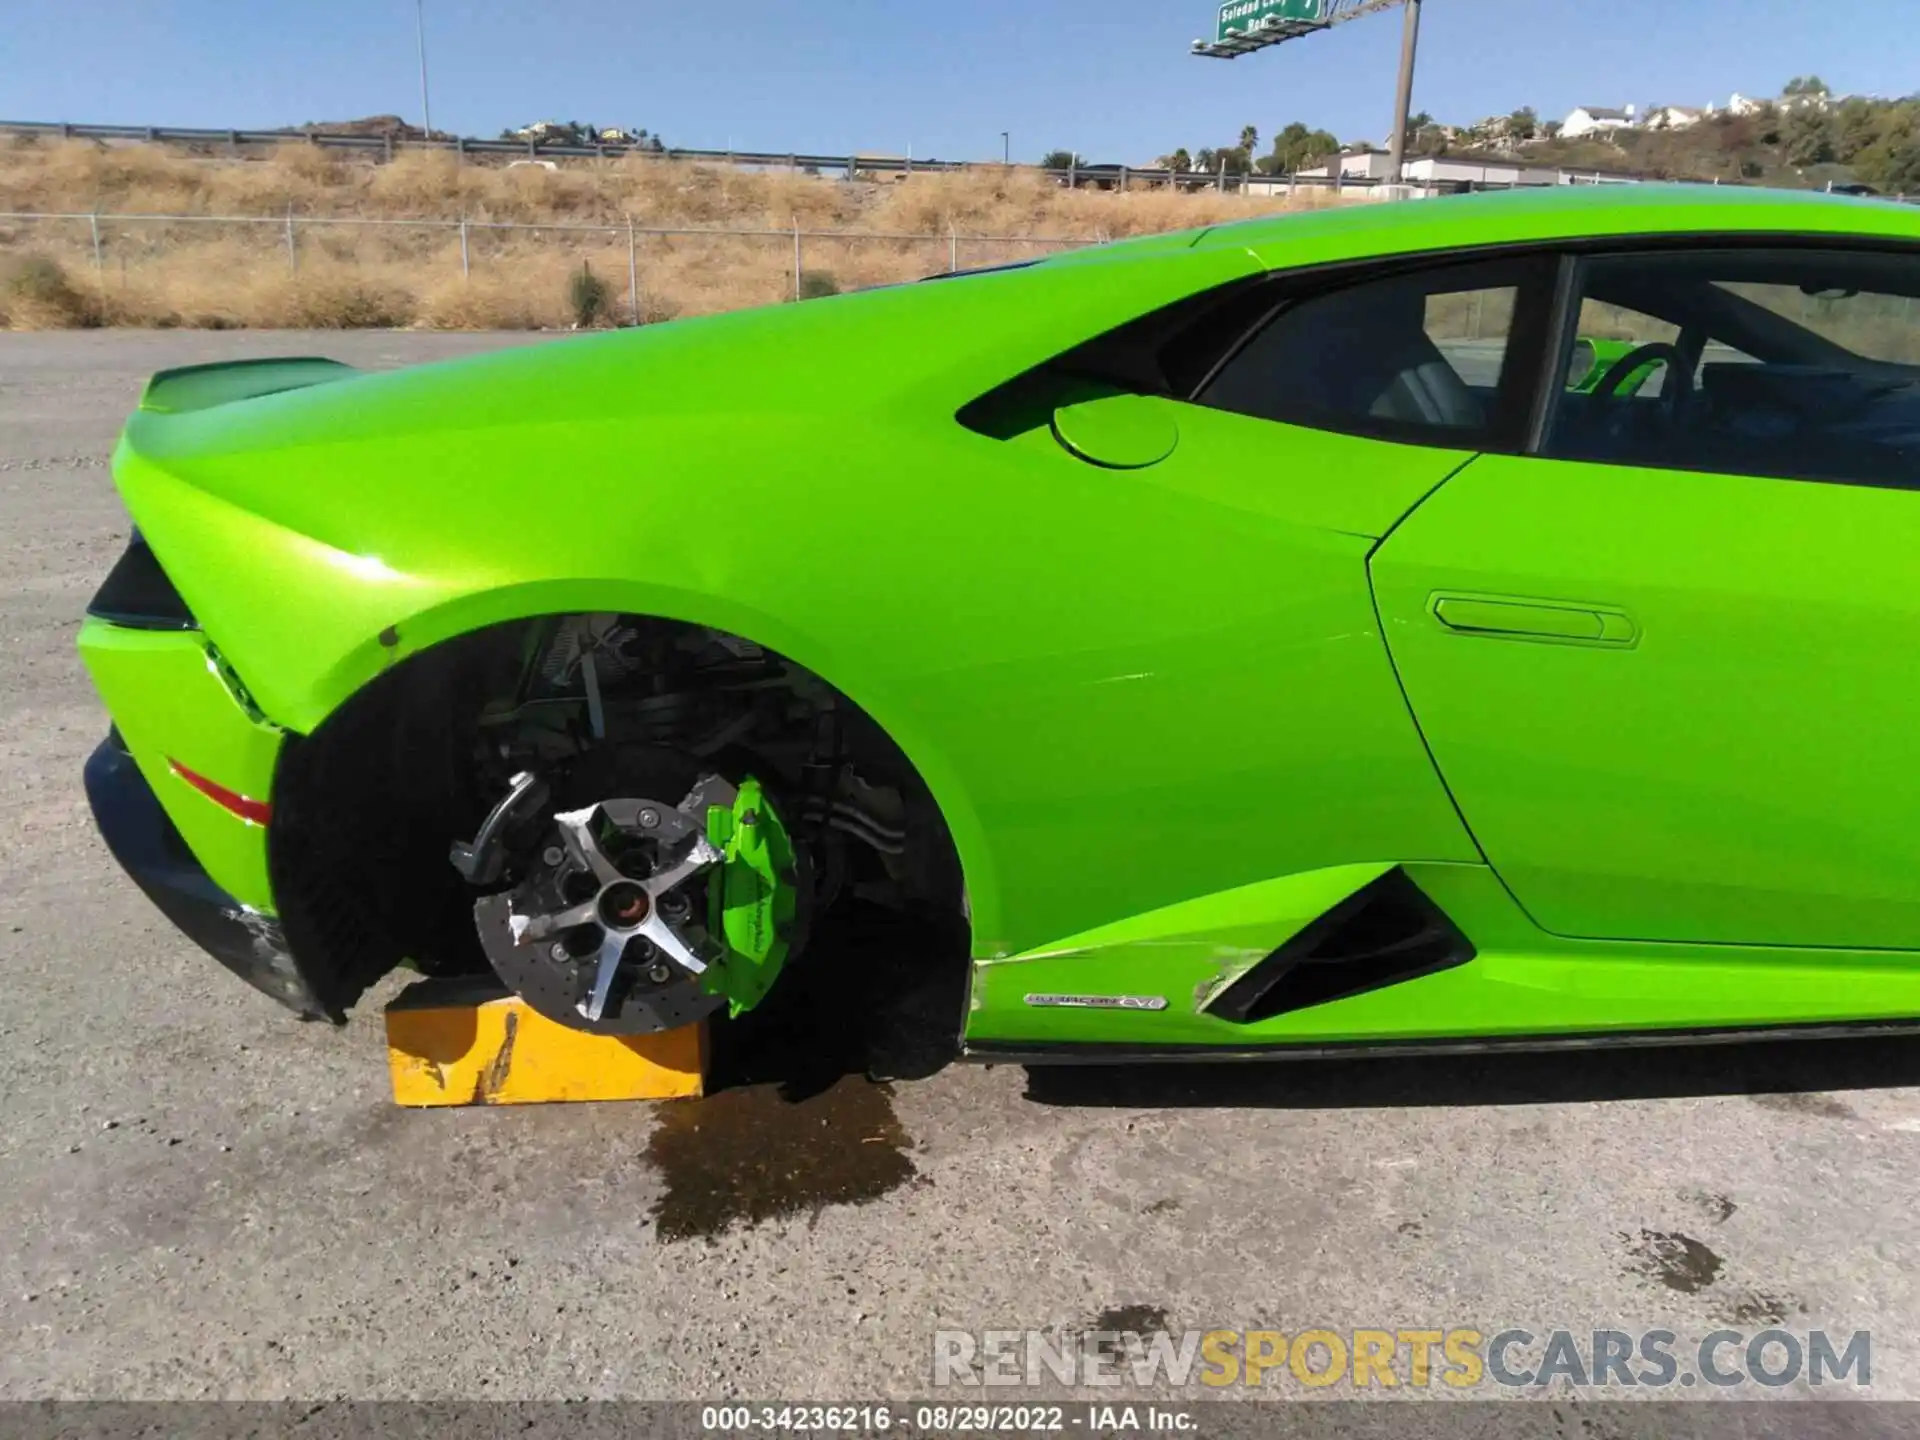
(420, 30)
(1006, 149)
(1403, 104)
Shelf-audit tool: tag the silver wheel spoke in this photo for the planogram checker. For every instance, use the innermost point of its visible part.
(671, 945)
(697, 859)
(612, 947)
(576, 828)
(539, 927)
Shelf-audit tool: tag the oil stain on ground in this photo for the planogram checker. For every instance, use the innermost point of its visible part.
(792, 1122)
(1717, 1207)
(1677, 1261)
(1806, 1102)
(750, 1155)
(1755, 1308)
(1121, 1321)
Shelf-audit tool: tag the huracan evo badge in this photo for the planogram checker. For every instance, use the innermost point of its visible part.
(1101, 1002)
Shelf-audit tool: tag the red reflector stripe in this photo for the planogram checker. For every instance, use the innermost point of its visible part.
(254, 812)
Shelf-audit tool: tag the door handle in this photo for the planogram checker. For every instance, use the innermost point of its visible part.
(1567, 622)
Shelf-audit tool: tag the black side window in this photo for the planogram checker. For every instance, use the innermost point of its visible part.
(1797, 364)
(1442, 355)
(1167, 352)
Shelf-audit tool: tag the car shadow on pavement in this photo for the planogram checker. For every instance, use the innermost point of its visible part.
(876, 993)
(1799, 1072)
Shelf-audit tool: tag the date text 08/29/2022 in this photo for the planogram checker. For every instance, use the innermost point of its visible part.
(947, 1419)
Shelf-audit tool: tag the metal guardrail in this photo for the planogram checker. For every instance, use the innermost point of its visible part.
(852, 165)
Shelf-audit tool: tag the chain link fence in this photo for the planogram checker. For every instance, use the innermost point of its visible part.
(293, 269)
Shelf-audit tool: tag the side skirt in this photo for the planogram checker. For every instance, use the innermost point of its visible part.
(990, 1052)
(1362, 959)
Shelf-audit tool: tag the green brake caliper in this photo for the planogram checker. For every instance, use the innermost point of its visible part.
(752, 903)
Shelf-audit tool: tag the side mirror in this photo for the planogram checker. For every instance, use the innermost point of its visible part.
(1121, 432)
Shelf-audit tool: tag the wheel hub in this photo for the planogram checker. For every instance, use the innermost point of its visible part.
(624, 905)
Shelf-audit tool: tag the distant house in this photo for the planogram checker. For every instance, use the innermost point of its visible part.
(1746, 104)
(540, 130)
(1675, 117)
(1595, 120)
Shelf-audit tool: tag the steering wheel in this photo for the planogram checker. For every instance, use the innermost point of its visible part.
(1674, 394)
(1626, 426)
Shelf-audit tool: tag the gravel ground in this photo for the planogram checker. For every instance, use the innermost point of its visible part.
(201, 1197)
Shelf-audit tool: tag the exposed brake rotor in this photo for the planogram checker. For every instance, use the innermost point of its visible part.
(642, 915)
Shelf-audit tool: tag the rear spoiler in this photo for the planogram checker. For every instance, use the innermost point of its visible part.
(200, 387)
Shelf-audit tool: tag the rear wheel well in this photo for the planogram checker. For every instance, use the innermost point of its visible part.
(366, 807)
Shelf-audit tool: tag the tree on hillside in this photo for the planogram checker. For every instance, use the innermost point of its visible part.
(1805, 85)
(1063, 160)
(1892, 161)
(1418, 121)
(1523, 124)
(1856, 125)
(1808, 137)
(1901, 173)
(1178, 160)
(1249, 139)
(1734, 133)
(1297, 147)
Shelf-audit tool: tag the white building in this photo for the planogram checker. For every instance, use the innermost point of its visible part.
(1595, 120)
(1435, 171)
(1676, 117)
(1352, 165)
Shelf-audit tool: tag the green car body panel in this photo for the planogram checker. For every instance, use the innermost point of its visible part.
(175, 708)
(1149, 618)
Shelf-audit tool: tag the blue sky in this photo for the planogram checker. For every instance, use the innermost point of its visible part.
(1110, 78)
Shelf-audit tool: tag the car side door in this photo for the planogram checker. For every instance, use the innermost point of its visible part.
(1668, 663)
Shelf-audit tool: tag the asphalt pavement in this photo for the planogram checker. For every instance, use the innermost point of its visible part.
(202, 1197)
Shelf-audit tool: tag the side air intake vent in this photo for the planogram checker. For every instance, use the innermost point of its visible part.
(1382, 934)
(138, 594)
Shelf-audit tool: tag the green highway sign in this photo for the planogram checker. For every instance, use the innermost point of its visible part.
(1243, 17)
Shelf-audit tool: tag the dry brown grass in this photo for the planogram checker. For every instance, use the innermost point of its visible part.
(202, 274)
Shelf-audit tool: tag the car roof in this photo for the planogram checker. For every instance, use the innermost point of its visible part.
(1360, 228)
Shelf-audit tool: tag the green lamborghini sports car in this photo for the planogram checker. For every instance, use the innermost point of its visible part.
(1266, 638)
